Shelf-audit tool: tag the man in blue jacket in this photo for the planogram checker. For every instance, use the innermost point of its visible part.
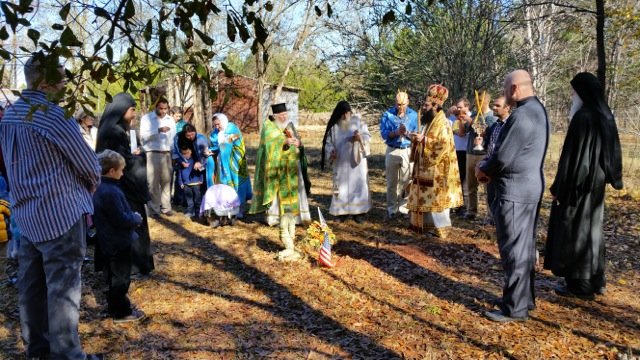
(396, 125)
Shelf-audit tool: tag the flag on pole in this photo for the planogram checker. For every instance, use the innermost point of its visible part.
(324, 258)
(325, 252)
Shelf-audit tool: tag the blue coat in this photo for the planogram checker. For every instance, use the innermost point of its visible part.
(115, 221)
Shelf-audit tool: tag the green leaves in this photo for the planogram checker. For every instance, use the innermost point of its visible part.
(4, 34)
(68, 38)
(129, 10)
(231, 29)
(101, 12)
(34, 35)
(64, 12)
(148, 30)
(204, 37)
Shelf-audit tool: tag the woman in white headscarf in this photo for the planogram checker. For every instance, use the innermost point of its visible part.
(229, 164)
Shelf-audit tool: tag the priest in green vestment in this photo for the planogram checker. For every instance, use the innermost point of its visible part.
(279, 186)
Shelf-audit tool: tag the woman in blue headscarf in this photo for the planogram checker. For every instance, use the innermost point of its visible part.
(229, 164)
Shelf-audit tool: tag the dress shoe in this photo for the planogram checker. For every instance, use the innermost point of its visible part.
(601, 290)
(563, 291)
(469, 216)
(499, 316)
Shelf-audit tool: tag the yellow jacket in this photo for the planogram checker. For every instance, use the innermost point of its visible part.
(5, 213)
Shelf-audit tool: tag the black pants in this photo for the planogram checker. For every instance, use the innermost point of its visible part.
(192, 194)
(515, 224)
(119, 279)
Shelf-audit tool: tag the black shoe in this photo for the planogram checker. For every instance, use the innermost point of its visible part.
(358, 219)
(141, 276)
(136, 315)
(601, 290)
(469, 216)
(95, 357)
(499, 316)
(563, 291)
(155, 216)
(498, 303)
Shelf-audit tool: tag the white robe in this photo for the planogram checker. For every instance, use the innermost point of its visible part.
(351, 194)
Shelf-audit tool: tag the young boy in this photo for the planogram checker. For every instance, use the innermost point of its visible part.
(190, 180)
(115, 232)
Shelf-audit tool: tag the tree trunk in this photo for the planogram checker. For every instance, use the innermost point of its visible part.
(602, 58)
(295, 51)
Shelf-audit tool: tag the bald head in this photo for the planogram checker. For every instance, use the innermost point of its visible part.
(517, 86)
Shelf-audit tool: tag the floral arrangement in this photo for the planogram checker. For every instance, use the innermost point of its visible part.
(315, 235)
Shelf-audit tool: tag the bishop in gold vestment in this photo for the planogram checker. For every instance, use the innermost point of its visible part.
(435, 187)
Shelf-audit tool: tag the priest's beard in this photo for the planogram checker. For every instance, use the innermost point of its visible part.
(575, 105)
(282, 124)
(427, 118)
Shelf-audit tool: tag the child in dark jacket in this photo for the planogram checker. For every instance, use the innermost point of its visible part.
(115, 232)
(190, 180)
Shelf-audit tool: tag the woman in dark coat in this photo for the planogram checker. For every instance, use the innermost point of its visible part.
(113, 134)
(591, 158)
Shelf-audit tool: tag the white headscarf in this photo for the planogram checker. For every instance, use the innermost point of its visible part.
(224, 121)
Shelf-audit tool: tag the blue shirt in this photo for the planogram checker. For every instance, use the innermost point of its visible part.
(391, 122)
(50, 168)
(188, 175)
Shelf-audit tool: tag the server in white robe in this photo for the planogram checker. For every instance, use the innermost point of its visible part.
(346, 145)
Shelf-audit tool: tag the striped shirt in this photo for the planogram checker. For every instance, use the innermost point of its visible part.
(50, 168)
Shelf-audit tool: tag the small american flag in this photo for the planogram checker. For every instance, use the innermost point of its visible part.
(325, 252)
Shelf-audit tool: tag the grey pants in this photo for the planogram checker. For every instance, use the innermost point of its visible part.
(49, 294)
(159, 172)
(515, 225)
(397, 172)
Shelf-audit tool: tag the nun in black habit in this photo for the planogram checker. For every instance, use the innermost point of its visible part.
(113, 134)
(590, 159)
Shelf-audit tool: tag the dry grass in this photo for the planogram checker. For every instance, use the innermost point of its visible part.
(220, 294)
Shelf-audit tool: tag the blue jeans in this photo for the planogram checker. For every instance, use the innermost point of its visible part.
(194, 198)
(49, 288)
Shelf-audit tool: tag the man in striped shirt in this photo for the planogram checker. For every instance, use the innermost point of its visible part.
(52, 173)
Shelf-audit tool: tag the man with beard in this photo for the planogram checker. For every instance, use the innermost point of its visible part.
(436, 186)
(346, 144)
(279, 189)
(591, 158)
(158, 130)
(516, 169)
(501, 110)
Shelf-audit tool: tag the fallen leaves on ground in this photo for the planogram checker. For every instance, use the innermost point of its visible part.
(221, 294)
